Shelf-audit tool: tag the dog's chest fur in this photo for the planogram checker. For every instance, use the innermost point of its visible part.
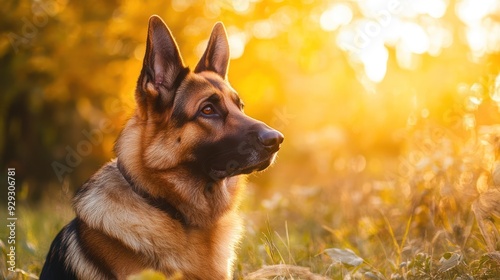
(126, 241)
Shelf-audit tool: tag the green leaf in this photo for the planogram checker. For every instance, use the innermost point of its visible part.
(345, 256)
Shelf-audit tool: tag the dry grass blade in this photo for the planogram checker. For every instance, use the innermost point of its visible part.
(284, 270)
(495, 256)
(486, 206)
(393, 237)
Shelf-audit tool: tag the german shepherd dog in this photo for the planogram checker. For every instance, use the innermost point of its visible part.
(169, 201)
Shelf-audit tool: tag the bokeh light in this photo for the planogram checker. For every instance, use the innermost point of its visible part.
(335, 16)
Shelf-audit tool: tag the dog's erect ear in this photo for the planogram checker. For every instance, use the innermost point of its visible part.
(162, 69)
(216, 56)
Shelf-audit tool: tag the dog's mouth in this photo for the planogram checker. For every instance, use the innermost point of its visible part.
(235, 155)
(234, 168)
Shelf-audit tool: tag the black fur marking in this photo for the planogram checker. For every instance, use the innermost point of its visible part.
(179, 116)
(158, 203)
(221, 85)
(229, 155)
(214, 98)
(239, 152)
(55, 265)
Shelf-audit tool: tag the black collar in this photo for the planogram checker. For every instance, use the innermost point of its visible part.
(158, 203)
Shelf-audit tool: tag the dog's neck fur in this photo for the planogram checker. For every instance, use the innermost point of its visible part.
(201, 205)
(159, 203)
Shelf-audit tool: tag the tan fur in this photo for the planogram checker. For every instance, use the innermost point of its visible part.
(132, 236)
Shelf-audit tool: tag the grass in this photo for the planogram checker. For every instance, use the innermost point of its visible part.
(414, 220)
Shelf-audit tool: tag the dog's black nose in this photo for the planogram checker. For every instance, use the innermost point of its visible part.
(270, 138)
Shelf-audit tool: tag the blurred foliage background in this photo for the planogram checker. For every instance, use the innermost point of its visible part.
(388, 108)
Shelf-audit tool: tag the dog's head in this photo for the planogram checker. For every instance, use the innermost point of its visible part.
(195, 118)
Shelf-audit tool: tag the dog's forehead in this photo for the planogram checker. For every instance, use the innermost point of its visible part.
(207, 82)
(216, 81)
(197, 87)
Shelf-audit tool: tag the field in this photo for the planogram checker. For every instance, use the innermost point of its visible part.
(390, 168)
(419, 221)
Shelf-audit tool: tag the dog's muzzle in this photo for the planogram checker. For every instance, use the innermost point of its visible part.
(252, 151)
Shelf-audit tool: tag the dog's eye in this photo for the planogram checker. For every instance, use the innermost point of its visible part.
(208, 110)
